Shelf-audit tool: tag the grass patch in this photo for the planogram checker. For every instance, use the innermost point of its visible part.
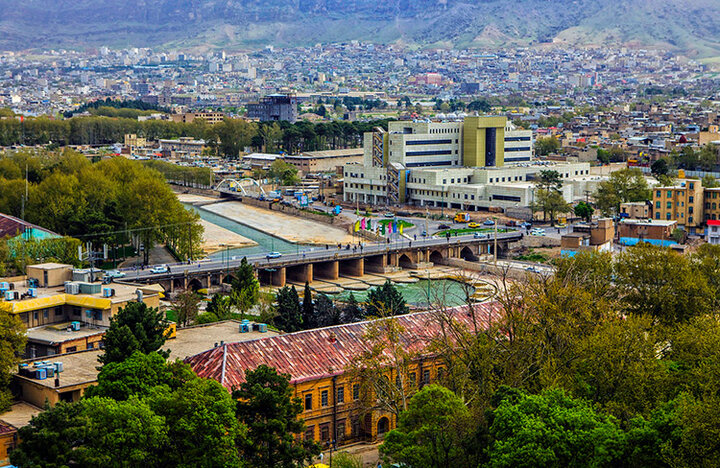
(171, 315)
(403, 223)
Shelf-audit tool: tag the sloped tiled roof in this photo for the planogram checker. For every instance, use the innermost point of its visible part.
(323, 352)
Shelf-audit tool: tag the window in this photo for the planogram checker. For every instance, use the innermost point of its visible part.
(412, 379)
(71, 349)
(691, 199)
(310, 433)
(35, 315)
(669, 194)
(659, 194)
(440, 373)
(324, 398)
(340, 431)
(308, 402)
(426, 377)
(657, 205)
(91, 346)
(692, 186)
(58, 311)
(657, 215)
(46, 314)
(325, 432)
(669, 205)
(341, 395)
(356, 392)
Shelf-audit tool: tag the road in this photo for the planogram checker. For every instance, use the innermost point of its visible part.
(309, 255)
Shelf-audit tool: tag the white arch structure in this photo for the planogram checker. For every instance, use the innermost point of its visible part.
(246, 186)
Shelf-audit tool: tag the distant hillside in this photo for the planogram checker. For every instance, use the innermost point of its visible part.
(688, 25)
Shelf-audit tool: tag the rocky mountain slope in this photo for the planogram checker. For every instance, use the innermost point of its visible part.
(692, 26)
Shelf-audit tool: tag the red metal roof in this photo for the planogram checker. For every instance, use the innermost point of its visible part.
(323, 352)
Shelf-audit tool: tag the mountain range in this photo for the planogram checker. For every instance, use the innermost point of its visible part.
(690, 26)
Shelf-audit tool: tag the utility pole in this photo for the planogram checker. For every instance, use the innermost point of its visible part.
(495, 246)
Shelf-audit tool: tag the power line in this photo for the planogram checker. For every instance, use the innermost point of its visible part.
(98, 234)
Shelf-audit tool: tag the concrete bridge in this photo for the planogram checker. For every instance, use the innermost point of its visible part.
(323, 263)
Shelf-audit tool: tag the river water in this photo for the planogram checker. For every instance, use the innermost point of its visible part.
(448, 292)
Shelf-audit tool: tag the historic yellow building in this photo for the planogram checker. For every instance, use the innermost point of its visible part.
(335, 403)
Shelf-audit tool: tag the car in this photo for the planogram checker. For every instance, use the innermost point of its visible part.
(389, 215)
(526, 225)
(424, 233)
(473, 225)
(537, 232)
(273, 255)
(533, 269)
(561, 225)
(489, 222)
(444, 226)
(159, 269)
(478, 235)
(115, 274)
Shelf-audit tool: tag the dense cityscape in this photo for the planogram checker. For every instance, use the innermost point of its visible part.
(359, 254)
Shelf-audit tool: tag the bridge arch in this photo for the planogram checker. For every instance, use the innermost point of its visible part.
(436, 257)
(405, 262)
(467, 254)
(245, 186)
(195, 284)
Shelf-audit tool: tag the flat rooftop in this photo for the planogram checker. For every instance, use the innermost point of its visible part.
(60, 332)
(20, 414)
(81, 367)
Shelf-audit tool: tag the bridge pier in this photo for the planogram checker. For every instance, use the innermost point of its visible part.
(300, 273)
(327, 270)
(278, 277)
(376, 263)
(353, 267)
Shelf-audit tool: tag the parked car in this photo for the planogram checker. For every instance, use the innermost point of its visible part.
(115, 274)
(273, 255)
(473, 225)
(444, 226)
(159, 269)
(389, 215)
(489, 222)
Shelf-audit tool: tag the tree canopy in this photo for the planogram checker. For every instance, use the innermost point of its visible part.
(136, 327)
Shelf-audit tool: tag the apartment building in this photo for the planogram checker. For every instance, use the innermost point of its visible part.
(683, 203)
(274, 107)
(211, 118)
(183, 147)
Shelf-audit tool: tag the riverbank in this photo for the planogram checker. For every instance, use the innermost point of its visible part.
(289, 228)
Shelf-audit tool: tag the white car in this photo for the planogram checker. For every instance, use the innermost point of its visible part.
(159, 269)
(273, 255)
(537, 232)
(115, 274)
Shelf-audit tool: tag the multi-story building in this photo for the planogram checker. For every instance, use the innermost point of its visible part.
(324, 161)
(211, 118)
(683, 203)
(184, 147)
(711, 198)
(335, 401)
(636, 210)
(473, 164)
(712, 235)
(274, 107)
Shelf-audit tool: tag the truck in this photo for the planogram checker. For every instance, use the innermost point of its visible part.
(462, 217)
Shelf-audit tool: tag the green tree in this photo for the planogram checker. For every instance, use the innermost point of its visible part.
(265, 404)
(186, 306)
(708, 181)
(584, 210)
(308, 309)
(289, 316)
(245, 286)
(12, 345)
(433, 432)
(626, 185)
(93, 432)
(283, 173)
(352, 312)
(551, 202)
(549, 180)
(552, 429)
(138, 375)
(661, 283)
(385, 301)
(547, 145)
(220, 306)
(136, 327)
(660, 167)
(326, 312)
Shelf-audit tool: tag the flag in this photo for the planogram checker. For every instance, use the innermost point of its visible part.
(363, 224)
(389, 225)
(395, 223)
(401, 228)
(369, 224)
(357, 226)
(382, 229)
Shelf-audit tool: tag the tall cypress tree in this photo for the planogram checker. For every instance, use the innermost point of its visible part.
(308, 310)
(289, 316)
(385, 300)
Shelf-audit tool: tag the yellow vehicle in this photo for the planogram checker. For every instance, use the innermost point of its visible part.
(474, 225)
(462, 217)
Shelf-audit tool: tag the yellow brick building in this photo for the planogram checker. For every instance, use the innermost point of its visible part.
(683, 203)
(335, 406)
